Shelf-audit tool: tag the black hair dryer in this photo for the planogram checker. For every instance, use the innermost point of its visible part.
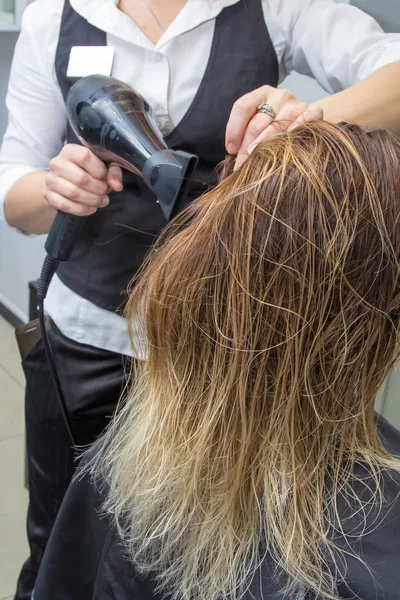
(117, 124)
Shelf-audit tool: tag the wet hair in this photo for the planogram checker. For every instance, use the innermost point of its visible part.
(271, 314)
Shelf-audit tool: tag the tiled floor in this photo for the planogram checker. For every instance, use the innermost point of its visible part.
(13, 496)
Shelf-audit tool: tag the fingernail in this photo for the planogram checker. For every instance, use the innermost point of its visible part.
(117, 183)
(237, 165)
(105, 201)
(252, 147)
(293, 126)
(232, 148)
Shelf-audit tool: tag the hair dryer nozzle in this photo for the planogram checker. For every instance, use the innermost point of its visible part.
(167, 173)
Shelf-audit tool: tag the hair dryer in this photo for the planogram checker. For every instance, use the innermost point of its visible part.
(117, 124)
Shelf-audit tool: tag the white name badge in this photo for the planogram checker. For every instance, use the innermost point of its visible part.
(90, 60)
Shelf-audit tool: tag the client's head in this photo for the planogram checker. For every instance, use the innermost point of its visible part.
(271, 312)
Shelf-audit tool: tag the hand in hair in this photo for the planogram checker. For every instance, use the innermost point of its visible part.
(246, 127)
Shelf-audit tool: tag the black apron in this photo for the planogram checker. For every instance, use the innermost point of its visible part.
(115, 240)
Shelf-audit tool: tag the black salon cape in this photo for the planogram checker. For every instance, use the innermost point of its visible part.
(84, 559)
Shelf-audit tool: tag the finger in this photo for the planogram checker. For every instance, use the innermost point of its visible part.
(288, 114)
(313, 113)
(274, 128)
(84, 158)
(114, 178)
(277, 126)
(78, 176)
(72, 192)
(253, 131)
(281, 124)
(256, 126)
(240, 159)
(63, 204)
(270, 132)
(242, 112)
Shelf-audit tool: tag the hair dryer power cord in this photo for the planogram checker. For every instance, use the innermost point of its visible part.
(49, 268)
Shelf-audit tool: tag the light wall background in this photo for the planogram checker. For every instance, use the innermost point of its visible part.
(21, 257)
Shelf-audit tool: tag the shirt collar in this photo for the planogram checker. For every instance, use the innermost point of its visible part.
(105, 15)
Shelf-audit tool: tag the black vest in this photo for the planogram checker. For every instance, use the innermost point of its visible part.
(115, 240)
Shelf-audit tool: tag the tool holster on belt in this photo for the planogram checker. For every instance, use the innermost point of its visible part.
(29, 334)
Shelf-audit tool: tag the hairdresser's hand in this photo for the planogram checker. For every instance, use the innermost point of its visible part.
(78, 182)
(247, 127)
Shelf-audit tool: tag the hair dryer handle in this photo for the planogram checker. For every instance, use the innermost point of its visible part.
(63, 234)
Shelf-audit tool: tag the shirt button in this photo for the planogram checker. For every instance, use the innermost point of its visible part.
(159, 57)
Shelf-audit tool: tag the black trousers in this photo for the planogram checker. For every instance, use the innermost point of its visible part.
(91, 380)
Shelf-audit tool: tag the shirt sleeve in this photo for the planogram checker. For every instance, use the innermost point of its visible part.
(36, 111)
(335, 43)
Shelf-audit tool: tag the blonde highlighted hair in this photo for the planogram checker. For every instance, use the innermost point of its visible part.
(271, 314)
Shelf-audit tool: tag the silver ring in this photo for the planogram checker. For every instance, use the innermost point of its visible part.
(267, 109)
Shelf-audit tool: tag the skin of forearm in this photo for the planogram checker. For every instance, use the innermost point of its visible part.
(25, 207)
(373, 103)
